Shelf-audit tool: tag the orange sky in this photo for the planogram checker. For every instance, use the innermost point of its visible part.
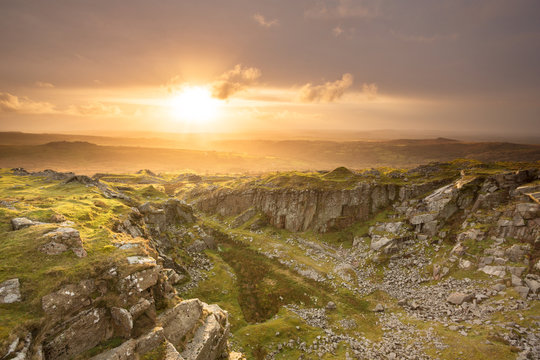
(244, 65)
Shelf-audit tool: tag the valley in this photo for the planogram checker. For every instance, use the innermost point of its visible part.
(441, 261)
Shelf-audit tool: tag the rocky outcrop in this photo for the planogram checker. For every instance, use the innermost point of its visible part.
(314, 209)
(83, 315)
(61, 240)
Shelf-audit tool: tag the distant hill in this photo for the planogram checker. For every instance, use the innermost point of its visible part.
(258, 155)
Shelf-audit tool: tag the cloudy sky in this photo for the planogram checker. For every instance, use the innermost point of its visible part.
(238, 65)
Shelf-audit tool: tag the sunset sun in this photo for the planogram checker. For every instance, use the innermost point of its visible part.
(194, 104)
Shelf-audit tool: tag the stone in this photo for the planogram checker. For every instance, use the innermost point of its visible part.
(83, 332)
(516, 281)
(139, 281)
(458, 298)
(331, 306)
(533, 285)
(139, 308)
(378, 308)
(465, 264)
(505, 222)
(210, 340)
(516, 270)
(10, 291)
(22, 222)
(53, 248)
(68, 299)
(516, 253)
(431, 227)
(171, 353)
(57, 218)
(422, 219)
(63, 239)
(123, 321)
(499, 287)
(528, 210)
(499, 271)
(379, 242)
(522, 290)
(140, 260)
(180, 320)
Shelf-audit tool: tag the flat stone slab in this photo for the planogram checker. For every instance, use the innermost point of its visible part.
(10, 291)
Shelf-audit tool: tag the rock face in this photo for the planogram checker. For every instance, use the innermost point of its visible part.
(210, 339)
(69, 299)
(312, 209)
(83, 332)
(9, 291)
(81, 319)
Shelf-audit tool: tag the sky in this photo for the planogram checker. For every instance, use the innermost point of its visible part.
(459, 66)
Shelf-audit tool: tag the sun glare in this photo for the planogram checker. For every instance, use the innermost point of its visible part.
(195, 105)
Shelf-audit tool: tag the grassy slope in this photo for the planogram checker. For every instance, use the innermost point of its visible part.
(38, 198)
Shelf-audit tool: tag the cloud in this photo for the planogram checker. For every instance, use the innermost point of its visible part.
(10, 103)
(337, 31)
(13, 104)
(341, 9)
(45, 85)
(234, 81)
(370, 90)
(173, 84)
(261, 20)
(327, 92)
(94, 109)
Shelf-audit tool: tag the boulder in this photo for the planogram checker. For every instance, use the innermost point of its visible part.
(533, 285)
(522, 290)
(63, 239)
(122, 320)
(22, 222)
(459, 298)
(139, 281)
(379, 242)
(516, 281)
(499, 271)
(180, 320)
(10, 291)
